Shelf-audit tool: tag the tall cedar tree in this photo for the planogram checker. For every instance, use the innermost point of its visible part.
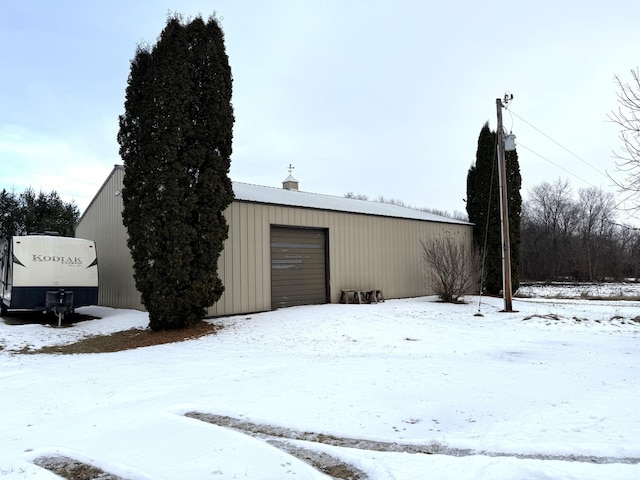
(175, 140)
(483, 208)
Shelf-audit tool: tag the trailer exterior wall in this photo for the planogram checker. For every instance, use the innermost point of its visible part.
(35, 264)
(364, 251)
(54, 262)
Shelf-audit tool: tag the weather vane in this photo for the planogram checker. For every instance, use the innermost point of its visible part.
(291, 167)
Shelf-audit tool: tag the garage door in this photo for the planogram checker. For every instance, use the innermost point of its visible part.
(298, 267)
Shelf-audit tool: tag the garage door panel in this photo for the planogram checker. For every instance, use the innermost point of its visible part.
(311, 262)
(302, 283)
(298, 267)
(284, 270)
(301, 279)
(292, 301)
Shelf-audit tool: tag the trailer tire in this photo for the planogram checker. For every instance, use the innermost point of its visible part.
(3, 309)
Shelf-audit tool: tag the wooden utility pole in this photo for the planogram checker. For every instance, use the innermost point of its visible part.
(504, 213)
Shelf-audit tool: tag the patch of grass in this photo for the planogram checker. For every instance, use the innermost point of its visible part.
(72, 469)
(127, 340)
(549, 316)
(631, 298)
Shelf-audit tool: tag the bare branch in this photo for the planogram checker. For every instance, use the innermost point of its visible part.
(627, 117)
(452, 268)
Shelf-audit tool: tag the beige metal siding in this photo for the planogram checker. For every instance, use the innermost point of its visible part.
(365, 251)
(102, 223)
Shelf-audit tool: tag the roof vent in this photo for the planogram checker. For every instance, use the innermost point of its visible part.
(290, 183)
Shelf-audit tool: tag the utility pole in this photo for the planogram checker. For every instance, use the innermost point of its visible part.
(504, 213)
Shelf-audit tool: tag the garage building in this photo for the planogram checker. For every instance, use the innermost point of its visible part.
(285, 247)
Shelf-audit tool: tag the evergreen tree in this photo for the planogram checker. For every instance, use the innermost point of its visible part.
(514, 185)
(9, 214)
(35, 213)
(483, 208)
(47, 212)
(175, 140)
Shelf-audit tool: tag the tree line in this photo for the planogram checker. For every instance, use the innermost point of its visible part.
(396, 201)
(577, 237)
(31, 212)
(580, 238)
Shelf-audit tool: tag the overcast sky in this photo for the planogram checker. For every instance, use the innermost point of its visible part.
(372, 97)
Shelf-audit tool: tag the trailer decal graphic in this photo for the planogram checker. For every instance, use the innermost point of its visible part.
(56, 259)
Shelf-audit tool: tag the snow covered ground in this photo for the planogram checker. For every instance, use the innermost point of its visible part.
(517, 395)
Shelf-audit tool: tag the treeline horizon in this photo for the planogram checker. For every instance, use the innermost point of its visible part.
(576, 237)
(29, 212)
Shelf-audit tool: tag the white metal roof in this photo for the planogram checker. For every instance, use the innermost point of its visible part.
(294, 198)
(246, 192)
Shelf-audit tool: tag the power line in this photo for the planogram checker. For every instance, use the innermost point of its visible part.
(618, 202)
(560, 145)
(520, 144)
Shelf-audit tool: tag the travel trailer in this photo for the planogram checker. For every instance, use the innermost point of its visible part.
(48, 273)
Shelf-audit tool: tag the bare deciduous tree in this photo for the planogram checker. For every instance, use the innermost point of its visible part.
(548, 221)
(453, 269)
(356, 196)
(396, 201)
(627, 117)
(595, 231)
(565, 237)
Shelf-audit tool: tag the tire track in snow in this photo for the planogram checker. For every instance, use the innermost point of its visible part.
(269, 432)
